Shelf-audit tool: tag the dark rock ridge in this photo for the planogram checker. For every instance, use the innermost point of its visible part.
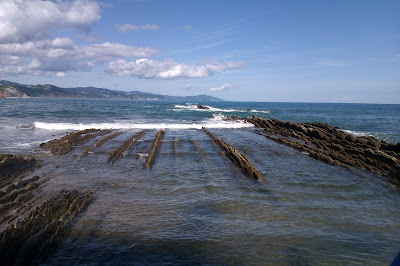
(238, 158)
(199, 106)
(30, 240)
(334, 146)
(67, 143)
(99, 143)
(155, 145)
(119, 152)
(13, 167)
(31, 223)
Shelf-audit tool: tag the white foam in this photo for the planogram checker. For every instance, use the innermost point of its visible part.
(216, 122)
(257, 111)
(357, 133)
(193, 107)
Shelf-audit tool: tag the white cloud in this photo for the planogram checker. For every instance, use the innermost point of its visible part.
(168, 69)
(61, 54)
(126, 27)
(29, 20)
(221, 88)
(60, 74)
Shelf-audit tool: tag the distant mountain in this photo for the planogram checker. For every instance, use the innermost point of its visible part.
(13, 89)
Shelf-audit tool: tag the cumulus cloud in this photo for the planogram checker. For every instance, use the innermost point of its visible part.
(168, 69)
(126, 27)
(221, 88)
(30, 20)
(60, 74)
(62, 54)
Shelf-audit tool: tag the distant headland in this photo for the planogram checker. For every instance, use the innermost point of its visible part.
(13, 89)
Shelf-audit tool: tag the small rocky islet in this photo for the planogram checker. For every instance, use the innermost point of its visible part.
(32, 226)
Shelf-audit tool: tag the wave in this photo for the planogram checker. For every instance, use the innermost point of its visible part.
(357, 133)
(193, 107)
(218, 121)
(26, 126)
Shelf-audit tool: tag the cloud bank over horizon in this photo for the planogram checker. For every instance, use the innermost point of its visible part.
(27, 46)
(236, 50)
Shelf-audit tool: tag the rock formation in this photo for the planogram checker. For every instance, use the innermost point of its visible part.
(334, 146)
(199, 106)
(238, 158)
(99, 143)
(119, 152)
(152, 154)
(67, 143)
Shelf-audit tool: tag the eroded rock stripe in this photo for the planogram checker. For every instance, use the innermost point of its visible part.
(237, 157)
(14, 167)
(334, 146)
(33, 238)
(152, 154)
(99, 143)
(67, 143)
(119, 152)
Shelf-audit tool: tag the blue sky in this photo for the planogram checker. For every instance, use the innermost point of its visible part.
(287, 51)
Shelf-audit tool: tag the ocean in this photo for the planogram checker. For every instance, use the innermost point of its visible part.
(196, 207)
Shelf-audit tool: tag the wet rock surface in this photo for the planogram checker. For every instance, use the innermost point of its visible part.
(331, 145)
(237, 157)
(67, 143)
(155, 145)
(129, 143)
(99, 143)
(199, 106)
(30, 240)
(13, 167)
(31, 222)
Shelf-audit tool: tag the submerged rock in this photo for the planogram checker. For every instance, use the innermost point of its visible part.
(30, 240)
(129, 143)
(67, 143)
(155, 145)
(331, 145)
(237, 157)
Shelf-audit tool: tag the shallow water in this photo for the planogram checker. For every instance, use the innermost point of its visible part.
(196, 207)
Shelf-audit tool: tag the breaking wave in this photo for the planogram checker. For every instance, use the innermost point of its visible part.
(218, 121)
(357, 133)
(193, 107)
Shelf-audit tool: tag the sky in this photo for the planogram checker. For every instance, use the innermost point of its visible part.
(269, 51)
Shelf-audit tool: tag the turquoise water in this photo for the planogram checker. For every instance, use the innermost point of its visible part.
(197, 208)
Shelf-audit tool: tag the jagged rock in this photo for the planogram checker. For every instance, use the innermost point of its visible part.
(12, 167)
(67, 143)
(99, 143)
(33, 238)
(152, 154)
(237, 157)
(202, 106)
(331, 145)
(119, 152)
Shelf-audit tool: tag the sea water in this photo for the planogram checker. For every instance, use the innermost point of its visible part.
(196, 207)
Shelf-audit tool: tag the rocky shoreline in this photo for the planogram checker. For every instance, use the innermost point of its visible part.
(31, 223)
(331, 145)
(30, 229)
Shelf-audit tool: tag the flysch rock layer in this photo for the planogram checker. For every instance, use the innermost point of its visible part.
(155, 145)
(237, 157)
(30, 223)
(331, 145)
(67, 143)
(29, 241)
